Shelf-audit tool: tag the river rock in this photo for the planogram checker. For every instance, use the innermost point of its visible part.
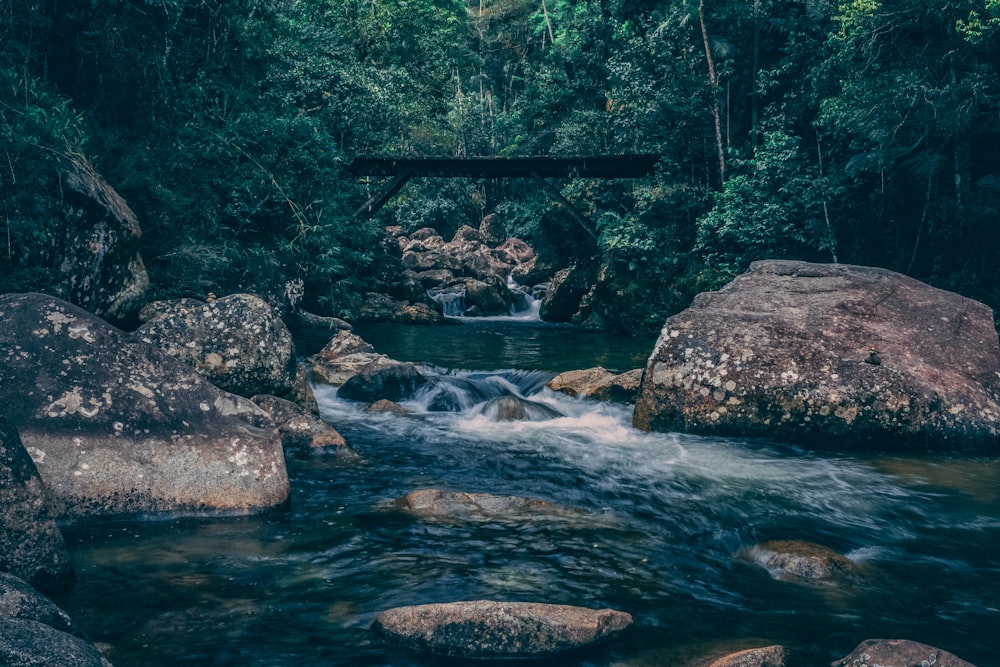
(31, 545)
(786, 559)
(302, 431)
(580, 383)
(386, 407)
(826, 352)
(489, 296)
(116, 427)
(438, 503)
(489, 629)
(621, 388)
(342, 358)
(517, 409)
(238, 342)
(767, 656)
(901, 652)
(383, 378)
(100, 265)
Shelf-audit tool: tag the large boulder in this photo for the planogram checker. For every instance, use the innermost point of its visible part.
(238, 342)
(498, 630)
(902, 652)
(116, 427)
(101, 266)
(31, 546)
(826, 352)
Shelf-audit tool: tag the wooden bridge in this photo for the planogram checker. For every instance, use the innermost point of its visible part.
(537, 168)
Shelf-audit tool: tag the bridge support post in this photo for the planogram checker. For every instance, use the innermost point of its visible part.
(372, 206)
(574, 212)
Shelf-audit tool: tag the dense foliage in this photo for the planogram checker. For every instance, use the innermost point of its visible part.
(859, 131)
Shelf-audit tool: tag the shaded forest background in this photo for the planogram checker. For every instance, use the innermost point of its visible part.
(859, 131)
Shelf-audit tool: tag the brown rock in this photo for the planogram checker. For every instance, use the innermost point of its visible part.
(438, 503)
(781, 352)
(789, 558)
(767, 656)
(488, 629)
(580, 383)
(622, 388)
(384, 406)
(302, 431)
(901, 652)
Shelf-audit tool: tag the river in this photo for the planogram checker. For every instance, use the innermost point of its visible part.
(653, 526)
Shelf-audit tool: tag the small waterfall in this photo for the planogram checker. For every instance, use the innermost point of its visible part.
(451, 299)
(468, 392)
(524, 305)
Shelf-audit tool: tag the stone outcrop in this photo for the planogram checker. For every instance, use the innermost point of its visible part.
(498, 630)
(100, 265)
(31, 545)
(766, 656)
(814, 352)
(792, 559)
(902, 652)
(238, 342)
(117, 427)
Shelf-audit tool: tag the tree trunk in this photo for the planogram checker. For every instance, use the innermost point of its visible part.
(713, 80)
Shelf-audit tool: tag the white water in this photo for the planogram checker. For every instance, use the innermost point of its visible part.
(452, 302)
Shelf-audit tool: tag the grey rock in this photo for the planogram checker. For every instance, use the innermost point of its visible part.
(901, 652)
(19, 600)
(117, 427)
(25, 643)
(238, 342)
(441, 504)
(31, 545)
(489, 629)
(383, 378)
(780, 352)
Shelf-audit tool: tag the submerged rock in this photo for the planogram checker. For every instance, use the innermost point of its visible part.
(515, 408)
(489, 629)
(117, 427)
(784, 351)
(902, 652)
(438, 503)
(31, 545)
(789, 558)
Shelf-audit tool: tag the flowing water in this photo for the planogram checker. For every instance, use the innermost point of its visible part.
(652, 524)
